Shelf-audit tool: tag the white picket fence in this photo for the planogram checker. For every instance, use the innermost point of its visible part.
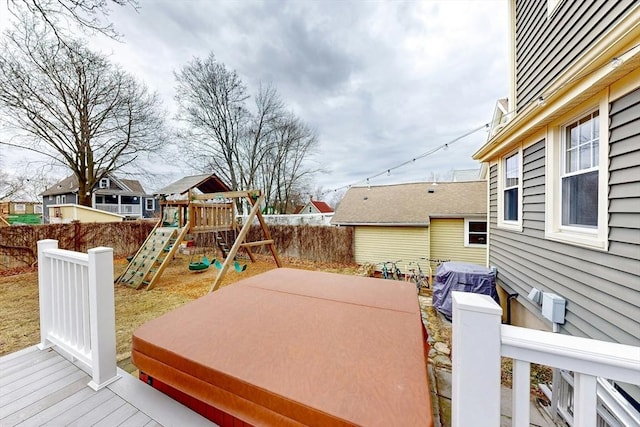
(77, 312)
(479, 340)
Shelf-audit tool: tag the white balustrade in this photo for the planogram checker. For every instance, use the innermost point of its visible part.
(479, 340)
(77, 311)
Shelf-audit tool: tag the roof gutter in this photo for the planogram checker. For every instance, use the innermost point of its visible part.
(597, 72)
(385, 224)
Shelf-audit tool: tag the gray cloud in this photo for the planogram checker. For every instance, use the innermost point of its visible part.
(381, 82)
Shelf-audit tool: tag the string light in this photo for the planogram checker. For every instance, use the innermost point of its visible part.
(540, 100)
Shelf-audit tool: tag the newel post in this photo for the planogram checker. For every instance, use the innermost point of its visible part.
(476, 360)
(102, 318)
(45, 293)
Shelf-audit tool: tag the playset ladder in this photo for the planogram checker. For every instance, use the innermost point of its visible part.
(153, 257)
(241, 242)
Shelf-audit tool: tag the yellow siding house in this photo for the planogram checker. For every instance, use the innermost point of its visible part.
(416, 222)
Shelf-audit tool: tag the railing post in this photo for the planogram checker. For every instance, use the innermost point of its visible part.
(44, 291)
(475, 360)
(585, 398)
(102, 318)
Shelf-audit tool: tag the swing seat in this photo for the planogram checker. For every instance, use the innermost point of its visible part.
(199, 266)
(240, 267)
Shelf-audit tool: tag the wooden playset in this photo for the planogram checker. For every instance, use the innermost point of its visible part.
(214, 213)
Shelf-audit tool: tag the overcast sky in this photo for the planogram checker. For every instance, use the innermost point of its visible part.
(380, 82)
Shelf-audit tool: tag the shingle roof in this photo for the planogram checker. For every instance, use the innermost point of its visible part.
(322, 206)
(70, 185)
(67, 185)
(411, 204)
(206, 183)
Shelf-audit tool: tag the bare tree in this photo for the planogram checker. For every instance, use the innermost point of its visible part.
(75, 107)
(261, 137)
(211, 101)
(88, 15)
(266, 147)
(286, 176)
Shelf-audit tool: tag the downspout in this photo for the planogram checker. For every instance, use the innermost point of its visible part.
(509, 298)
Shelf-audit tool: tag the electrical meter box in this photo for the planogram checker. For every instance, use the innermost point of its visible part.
(553, 307)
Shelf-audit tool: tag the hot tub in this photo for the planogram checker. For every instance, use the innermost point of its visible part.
(294, 347)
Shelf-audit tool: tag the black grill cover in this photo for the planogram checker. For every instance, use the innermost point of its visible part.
(463, 277)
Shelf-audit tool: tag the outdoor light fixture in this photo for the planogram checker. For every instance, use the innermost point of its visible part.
(616, 62)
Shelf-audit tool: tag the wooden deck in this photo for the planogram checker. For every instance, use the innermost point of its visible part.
(44, 388)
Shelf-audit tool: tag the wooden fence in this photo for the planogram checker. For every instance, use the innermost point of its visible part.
(18, 245)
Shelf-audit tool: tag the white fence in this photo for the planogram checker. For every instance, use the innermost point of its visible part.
(297, 219)
(479, 340)
(77, 311)
(121, 209)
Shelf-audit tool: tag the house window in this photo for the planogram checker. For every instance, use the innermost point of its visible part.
(475, 232)
(20, 208)
(510, 180)
(37, 209)
(104, 183)
(149, 204)
(61, 199)
(576, 183)
(580, 148)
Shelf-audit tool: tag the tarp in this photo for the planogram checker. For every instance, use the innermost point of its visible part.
(463, 277)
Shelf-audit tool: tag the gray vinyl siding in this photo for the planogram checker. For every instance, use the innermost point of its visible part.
(551, 44)
(624, 177)
(602, 289)
(69, 198)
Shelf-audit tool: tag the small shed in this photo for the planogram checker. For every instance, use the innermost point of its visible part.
(417, 221)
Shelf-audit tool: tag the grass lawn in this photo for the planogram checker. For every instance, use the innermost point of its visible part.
(19, 316)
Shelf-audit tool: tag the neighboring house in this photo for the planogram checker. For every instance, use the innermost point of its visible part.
(409, 222)
(315, 207)
(564, 160)
(124, 197)
(14, 212)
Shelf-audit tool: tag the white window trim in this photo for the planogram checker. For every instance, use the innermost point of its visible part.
(594, 238)
(104, 183)
(502, 223)
(466, 232)
(146, 205)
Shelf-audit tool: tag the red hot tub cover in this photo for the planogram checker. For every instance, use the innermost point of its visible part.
(297, 347)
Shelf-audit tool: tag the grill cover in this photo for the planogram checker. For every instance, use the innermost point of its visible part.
(463, 277)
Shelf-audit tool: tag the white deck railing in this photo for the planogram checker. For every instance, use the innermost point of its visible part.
(479, 340)
(77, 311)
(121, 209)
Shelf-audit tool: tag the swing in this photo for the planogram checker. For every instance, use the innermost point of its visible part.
(239, 267)
(199, 266)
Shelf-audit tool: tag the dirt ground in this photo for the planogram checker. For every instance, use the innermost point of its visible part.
(19, 313)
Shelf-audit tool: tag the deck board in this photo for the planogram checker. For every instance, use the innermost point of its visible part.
(57, 404)
(97, 413)
(41, 387)
(30, 363)
(120, 415)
